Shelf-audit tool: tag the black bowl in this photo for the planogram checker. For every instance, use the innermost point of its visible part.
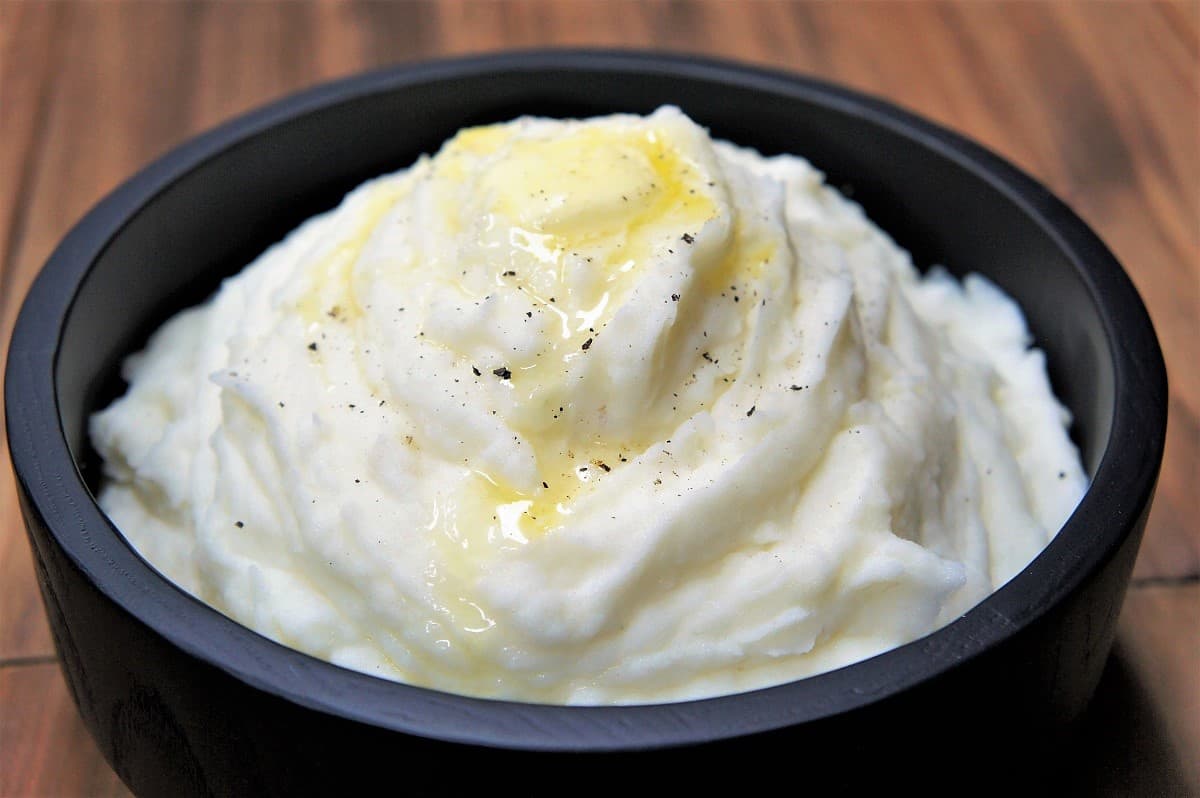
(184, 701)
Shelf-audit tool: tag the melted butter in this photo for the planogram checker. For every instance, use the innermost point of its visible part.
(329, 291)
(574, 219)
(473, 141)
(586, 213)
(569, 217)
(521, 516)
(490, 514)
(587, 210)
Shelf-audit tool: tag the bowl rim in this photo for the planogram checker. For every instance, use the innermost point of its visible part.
(57, 497)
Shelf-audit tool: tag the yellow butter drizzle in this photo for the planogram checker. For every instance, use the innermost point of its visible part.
(329, 292)
(604, 198)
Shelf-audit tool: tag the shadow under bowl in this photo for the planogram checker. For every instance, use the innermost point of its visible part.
(183, 701)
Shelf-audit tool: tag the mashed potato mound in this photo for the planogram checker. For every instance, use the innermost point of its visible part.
(598, 411)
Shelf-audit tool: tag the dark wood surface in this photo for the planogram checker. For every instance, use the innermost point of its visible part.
(1100, 100)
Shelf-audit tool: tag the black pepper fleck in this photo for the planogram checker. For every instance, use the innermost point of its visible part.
(502, 373)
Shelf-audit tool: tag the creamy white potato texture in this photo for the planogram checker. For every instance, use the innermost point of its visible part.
(598, 411)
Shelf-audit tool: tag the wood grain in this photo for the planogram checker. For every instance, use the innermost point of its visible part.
(44, 748)
(1101, 101)
(1164, 656)
(26, 47)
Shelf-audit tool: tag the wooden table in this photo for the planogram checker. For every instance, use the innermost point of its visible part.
(1099, 100)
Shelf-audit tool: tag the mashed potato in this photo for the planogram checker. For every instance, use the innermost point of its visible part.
(596, 411)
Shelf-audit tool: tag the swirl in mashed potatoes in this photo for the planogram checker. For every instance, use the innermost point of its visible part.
(597, 411)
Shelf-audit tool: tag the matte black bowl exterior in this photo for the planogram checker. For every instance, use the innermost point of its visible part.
(183, 701)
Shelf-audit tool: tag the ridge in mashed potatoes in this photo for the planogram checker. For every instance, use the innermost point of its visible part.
(598, 411)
